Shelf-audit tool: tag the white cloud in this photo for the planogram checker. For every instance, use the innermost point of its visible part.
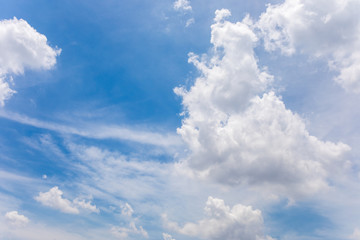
(5, 91)
(53, 198)
(308, 26)
(221, 14)
(124, 232)
(110, 168)
(167, 236)
(82, 203)
(127, 210)
(22, 47)
(241, 133)
(189, 22)
(39, 232)
(16, 219)
(355, 235)
(183, 5)
(223, 222)
(100, 131)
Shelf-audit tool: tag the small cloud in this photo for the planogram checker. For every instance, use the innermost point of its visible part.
(53, 198)
(44, 177)
(85, 205)
(16, 219)
(189, 22)
(167, 236)
(182, 5)
(5, 91)
(123, 232)
(127, 210)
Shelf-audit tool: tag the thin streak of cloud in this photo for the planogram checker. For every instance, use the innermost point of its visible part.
(99, 131)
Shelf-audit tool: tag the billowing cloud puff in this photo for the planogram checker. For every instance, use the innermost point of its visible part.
(183, 5)
(22, 47)
(54, 199)
(124, 232)
(326, 29)
(167, 236)
(241, 133)
(16, 219)
(82, 203)
(223, 222)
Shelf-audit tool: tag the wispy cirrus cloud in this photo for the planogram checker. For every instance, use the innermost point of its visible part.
(99, 131)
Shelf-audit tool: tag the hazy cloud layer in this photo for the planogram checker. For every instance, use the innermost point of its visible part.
(125, 232)
(355, 235)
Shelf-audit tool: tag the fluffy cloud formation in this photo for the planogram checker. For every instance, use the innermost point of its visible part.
(16, 219)
(167, 236)
(308, 26)
(223, 222)
(124, 232)
(82, 203)
(182, 5)
(54, 199)
(241, 133)
(21, 47)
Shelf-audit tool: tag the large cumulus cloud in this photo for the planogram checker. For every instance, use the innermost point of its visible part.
(239, 131)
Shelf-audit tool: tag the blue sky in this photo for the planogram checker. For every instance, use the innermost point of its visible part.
(179, 119)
